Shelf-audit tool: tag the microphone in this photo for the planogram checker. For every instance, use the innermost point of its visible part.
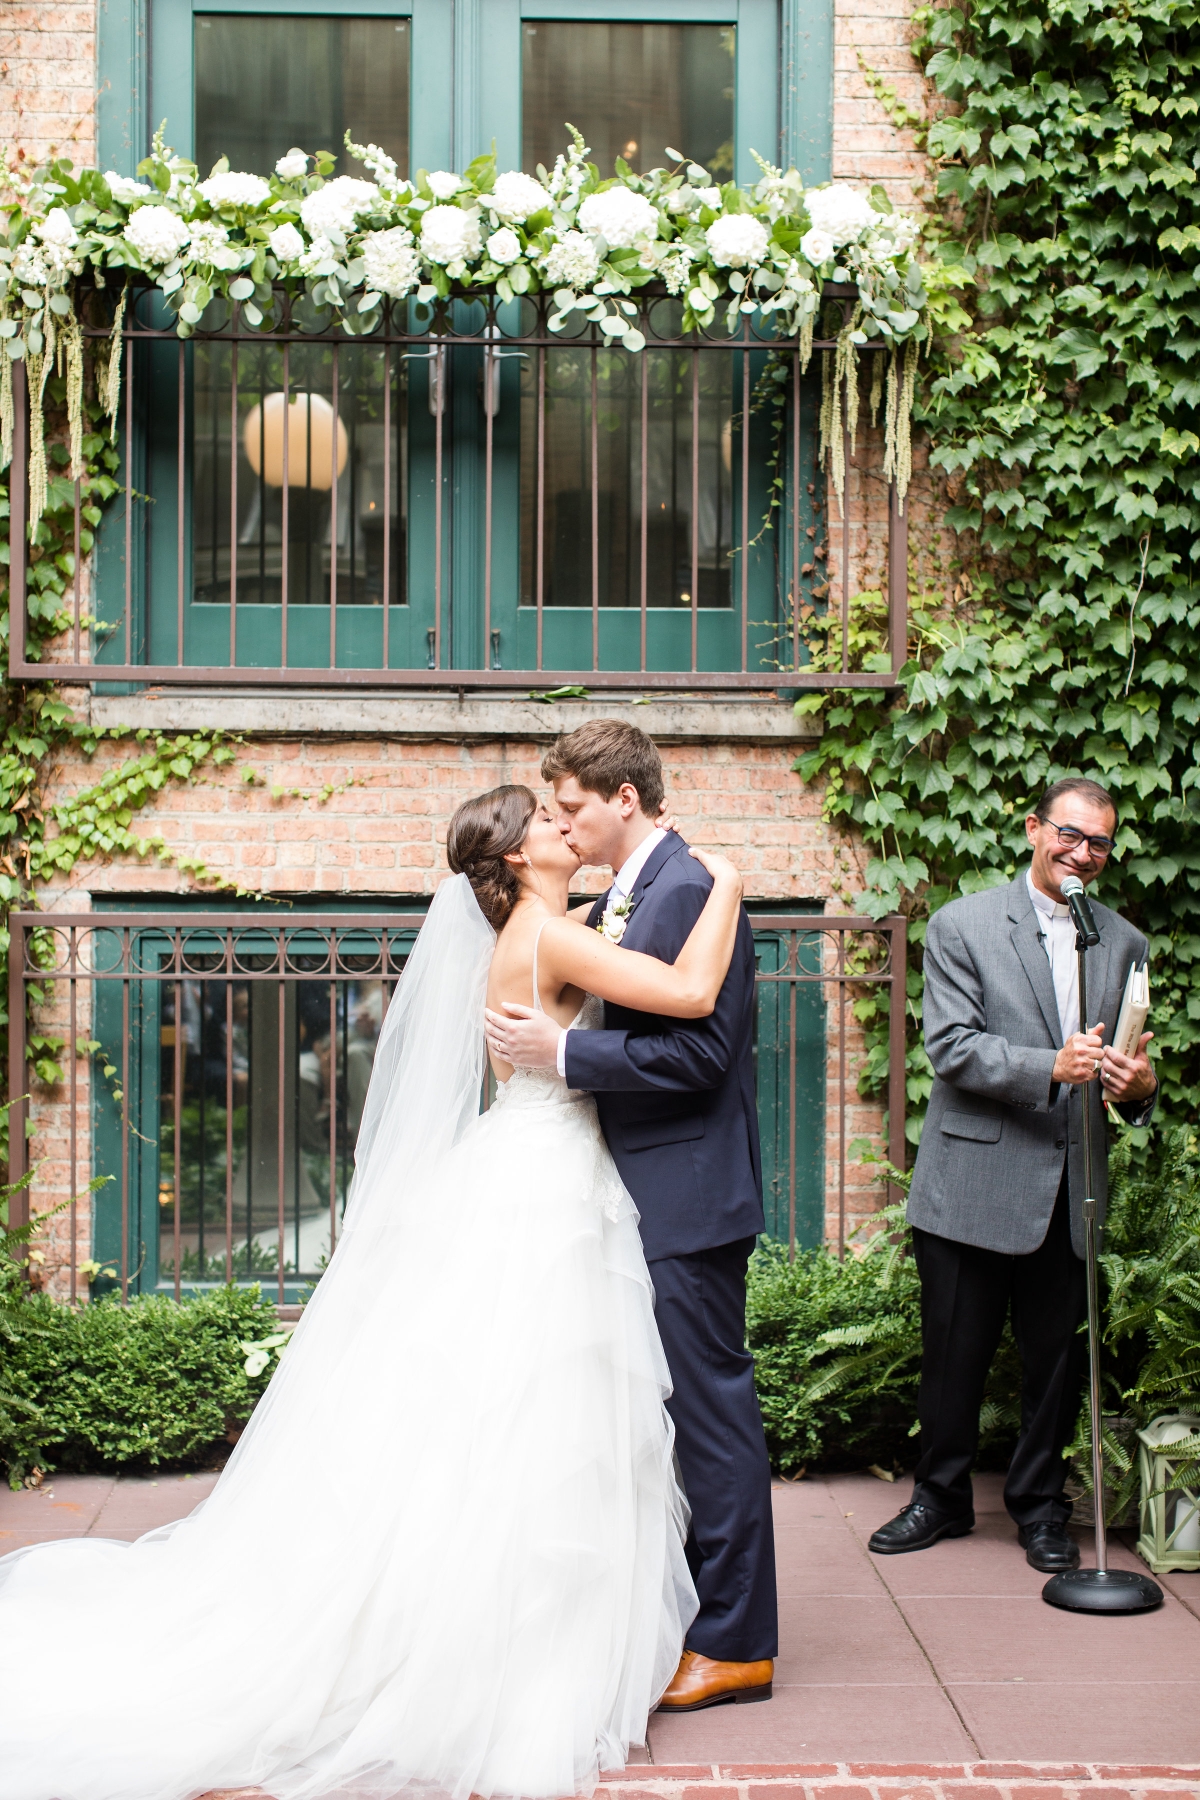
(1073, 893)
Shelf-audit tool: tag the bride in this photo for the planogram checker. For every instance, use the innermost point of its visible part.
(447, 1553)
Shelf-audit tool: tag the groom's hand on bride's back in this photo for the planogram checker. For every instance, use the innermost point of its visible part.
(519, 1035)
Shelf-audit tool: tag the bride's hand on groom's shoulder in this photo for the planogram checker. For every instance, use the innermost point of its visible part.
(719, 867)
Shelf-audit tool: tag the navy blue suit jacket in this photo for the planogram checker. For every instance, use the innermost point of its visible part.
(676, 1096)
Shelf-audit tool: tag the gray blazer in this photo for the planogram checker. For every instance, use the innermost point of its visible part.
(998, 1128)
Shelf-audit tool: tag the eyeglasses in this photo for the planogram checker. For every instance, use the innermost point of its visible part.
(1070, 838)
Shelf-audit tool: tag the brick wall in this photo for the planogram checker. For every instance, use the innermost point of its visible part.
(48, 80)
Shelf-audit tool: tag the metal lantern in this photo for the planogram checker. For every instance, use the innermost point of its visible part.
(1170, 1516)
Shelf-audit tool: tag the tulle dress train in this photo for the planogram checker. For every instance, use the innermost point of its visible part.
(447, 1554)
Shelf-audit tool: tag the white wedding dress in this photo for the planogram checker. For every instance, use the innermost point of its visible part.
(447, 1555)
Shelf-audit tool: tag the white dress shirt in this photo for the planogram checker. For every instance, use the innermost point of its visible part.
(1057, 932)
(623, 884)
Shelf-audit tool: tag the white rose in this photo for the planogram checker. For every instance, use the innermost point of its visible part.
(285, 241)
(504, 246)
(124, 189)
(443, 185)
(516, 195)
(737, 240)
(614, 927)
(571, 262)
(292, 166)
(448, 234)
(56, 228)
(156, 233)
(333, 209)
(232, 189)
(620, 217)
(391, 262)
(817, 247)
(840, 211)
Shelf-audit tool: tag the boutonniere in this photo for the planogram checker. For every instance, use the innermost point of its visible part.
(615, 918)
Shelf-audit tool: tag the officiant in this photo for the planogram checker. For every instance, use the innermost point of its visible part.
(997, 1191)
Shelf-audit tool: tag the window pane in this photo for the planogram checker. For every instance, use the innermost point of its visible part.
(631, 90)
(682, 387)
(266, 83)
(372, 476)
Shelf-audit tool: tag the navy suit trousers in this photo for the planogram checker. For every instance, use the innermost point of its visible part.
(700, 1306)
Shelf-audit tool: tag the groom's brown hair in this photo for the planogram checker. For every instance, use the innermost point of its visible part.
(603, 755)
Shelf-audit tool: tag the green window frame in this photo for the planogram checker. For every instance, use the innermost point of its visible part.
(465, 94)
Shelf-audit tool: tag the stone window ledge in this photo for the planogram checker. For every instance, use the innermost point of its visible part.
(754, 720)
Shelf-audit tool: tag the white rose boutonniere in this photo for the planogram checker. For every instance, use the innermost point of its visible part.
(615, 918)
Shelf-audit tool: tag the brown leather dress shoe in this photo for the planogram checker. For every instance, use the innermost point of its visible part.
(699, 1681)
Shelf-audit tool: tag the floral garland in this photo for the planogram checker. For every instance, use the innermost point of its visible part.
(352, 243)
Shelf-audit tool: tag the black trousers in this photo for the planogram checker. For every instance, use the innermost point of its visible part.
(700, 1305)
(966, 1294)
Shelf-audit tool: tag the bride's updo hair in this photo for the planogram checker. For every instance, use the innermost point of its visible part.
(483, 831)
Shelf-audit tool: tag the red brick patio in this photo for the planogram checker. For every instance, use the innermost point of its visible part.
(939, 1676)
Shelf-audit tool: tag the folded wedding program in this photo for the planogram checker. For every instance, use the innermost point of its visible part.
(1135, 1008)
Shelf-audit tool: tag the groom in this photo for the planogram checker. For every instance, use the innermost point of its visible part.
(677, 1107)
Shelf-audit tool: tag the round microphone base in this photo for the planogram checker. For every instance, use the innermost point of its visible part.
(1103, 1591)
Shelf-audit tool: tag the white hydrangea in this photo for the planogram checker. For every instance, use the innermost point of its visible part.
(708, 196)
(234, 189)
(332, 210)
(516, 195)
(571, 262)
(124, 189)
(504, 246)
(620, 217)
(286, 243)
(443, 184)
(391, 263)
(210, 244)
(156, 233)
(817, 247)
(840, 211)
(319, 259)
(448, 234)
(56, 228)
(737, 240)
(292, 166)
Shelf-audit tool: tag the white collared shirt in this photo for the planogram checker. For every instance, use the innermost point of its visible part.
(1057, 932)
(623, 884)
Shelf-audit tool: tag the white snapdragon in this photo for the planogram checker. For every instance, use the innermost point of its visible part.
(234, 189)
(156, 234)
(571, 262)
(293, 166)
(332, 210)
(443, 184)
(675, 268)
(515, 195)
(449, 235)
(840, 211)
(210, 244)
(620, 217)
(391, 262)
(737, 240)
(817, 247)
(124, 189)
(286, 242)
(504, 246)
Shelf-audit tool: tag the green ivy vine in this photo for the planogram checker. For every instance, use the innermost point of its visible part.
(1062, 414)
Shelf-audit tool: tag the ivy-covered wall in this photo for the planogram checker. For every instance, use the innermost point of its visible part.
(1063, 416)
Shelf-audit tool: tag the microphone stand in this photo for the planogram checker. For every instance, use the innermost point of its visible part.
(1098, 1590)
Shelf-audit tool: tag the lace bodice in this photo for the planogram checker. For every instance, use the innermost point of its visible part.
(540, 1087)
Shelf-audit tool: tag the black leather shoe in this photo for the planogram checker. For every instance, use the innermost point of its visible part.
(1048, 1548)
(915, 1527)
